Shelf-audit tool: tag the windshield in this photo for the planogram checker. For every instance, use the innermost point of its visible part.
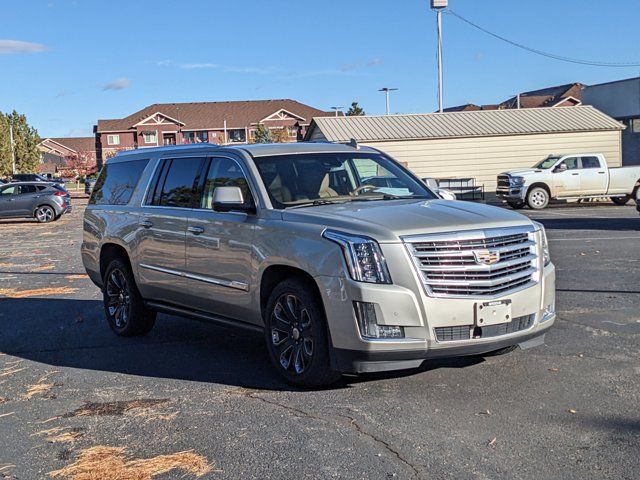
(320, 178)
(547, 163)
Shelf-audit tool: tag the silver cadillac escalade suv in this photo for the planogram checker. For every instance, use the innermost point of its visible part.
(342, 272)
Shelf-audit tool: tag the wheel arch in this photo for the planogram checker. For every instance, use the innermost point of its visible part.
(274, 274)
(44, 204)
(110, 251)
(540, 185)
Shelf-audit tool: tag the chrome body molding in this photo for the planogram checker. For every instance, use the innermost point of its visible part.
(214, 281)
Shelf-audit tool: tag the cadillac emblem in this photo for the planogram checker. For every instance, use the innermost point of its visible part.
(486, 257)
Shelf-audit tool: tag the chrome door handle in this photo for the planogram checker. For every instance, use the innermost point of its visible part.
(146, 224)
(196, 230)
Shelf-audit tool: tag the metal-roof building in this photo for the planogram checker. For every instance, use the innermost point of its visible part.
(478, 144)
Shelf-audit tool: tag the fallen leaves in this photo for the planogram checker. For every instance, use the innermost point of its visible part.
(60, 434)
(553, 369)
(11, 370)
(115, 408)
(6, 414)
(78, 276)
(102, 462)
(36, 292)
(572, 410)
(492, 442)
(43, 268)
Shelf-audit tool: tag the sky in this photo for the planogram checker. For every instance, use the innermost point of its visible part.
(68, 63)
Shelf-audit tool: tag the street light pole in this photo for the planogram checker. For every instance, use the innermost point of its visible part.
(337, 109)
(438, 6)
(386, 90)
(13, 149)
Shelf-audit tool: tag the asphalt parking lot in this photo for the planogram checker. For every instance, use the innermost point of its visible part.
(196, 399)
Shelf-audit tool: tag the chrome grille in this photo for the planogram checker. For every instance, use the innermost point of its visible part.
(466, 332)
(449, 266)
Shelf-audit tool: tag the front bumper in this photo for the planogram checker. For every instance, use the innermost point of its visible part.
(420, 316)
(512, 193)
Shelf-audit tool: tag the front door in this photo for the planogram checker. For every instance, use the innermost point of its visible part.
(220, 247)
(25, 199)
(567, 183)
(162, 229)
(8, 201)
(593, 176)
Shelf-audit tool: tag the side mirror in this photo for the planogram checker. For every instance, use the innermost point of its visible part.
(560, 168)
(227, 199)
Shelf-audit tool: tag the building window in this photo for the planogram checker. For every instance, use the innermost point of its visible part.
(635, 125)
(150, 137)
(113, 139)
(195, 137)
(237, 135)
(293, 131)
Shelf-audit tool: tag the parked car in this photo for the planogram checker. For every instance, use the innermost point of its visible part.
(568, 177)
(35, 177)
(443, 193)
(340, 275)
(45, 202)
(89, 183)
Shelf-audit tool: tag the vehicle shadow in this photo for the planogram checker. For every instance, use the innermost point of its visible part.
(73, 333)
(595, 223)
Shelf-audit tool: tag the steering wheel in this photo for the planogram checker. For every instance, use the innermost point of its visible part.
(362, 188)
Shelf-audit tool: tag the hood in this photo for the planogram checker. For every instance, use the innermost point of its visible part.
(523, 173)
(387, 221)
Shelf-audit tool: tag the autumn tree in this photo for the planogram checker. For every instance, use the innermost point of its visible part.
(280, 135)
(81, 164)
(355, 110)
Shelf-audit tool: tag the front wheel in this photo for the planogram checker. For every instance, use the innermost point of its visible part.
(123, 305)
(621, 200)
(537, 198)
(296, 335)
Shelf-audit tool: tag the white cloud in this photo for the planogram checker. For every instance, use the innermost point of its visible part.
(18, 46)
(199, 65)
(119, 84)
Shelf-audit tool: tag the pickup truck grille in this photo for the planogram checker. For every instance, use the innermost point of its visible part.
(503, 181)
(456, 264)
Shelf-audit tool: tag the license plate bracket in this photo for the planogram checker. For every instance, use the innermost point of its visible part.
(492, 313)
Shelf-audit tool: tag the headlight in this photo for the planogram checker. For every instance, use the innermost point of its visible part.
(363, 256)
(516, 181)
(544, 244)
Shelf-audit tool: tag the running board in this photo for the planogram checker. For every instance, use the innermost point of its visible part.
(199, 315)
(585, 197)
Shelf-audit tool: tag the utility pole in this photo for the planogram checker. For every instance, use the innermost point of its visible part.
(438, 6)
(386, 91)
(13, 148)
(337, 109)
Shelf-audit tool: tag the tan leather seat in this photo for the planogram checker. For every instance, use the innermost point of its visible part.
(280, 192)
(325, 189)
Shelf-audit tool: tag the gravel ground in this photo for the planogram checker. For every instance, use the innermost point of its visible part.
(71, 393)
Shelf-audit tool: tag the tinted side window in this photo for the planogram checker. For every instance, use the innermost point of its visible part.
(224, 172)
(590, 162)
(22, 189)
(116, 183)
(178, 183)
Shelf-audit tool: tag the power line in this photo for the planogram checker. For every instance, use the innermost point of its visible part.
(543, 53)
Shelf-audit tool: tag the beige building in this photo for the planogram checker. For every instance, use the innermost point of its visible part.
(478, 144)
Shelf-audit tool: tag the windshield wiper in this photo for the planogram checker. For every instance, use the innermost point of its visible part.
(320, 201)
(390, 196)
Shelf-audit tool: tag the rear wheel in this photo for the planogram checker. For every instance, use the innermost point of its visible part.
(621, 200)
(296, 335)
(516, 205)
(45, 214)
(537, 198)
(123, 304)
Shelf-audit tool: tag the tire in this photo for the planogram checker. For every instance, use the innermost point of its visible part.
(501, 351)
(45, 214)
(621, 200)
(537, 198)
(123, 305)
(296, 335)
(516, 205)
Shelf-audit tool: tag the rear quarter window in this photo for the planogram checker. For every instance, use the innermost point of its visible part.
(116, 183)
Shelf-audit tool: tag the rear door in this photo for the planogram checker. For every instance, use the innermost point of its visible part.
(162, 228)
(220, 245)
(25, 199)
(567, 183)
(593, 176)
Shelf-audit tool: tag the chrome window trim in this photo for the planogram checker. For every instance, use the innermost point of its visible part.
(215, 281)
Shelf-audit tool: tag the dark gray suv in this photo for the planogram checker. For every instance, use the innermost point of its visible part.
(43, 201)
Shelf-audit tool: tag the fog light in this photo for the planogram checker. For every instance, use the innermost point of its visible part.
(368, 326)
(548, 312)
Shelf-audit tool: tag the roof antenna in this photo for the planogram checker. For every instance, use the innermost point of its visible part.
(354, 143)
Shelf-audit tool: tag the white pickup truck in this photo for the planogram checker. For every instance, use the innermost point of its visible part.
(568, 177)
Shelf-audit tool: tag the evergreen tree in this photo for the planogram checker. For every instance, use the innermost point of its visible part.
(262, 135)
(355, 110)
(26, 140)
(5, 148)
